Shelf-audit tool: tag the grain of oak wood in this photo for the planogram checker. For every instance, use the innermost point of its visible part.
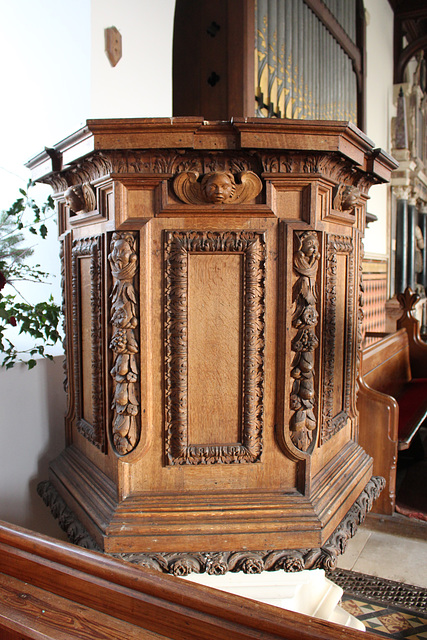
(212, 366)
(52, 591)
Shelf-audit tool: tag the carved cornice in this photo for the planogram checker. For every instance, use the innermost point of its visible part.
(90, 248)
(332, 166)
(218, 563)
(331, 423)
(305, 342)
(178, 247)
(124, 344)
(169, 162)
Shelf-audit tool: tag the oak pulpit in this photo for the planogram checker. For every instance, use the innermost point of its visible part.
(212, 300)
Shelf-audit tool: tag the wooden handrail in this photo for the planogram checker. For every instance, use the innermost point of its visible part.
(58, 576)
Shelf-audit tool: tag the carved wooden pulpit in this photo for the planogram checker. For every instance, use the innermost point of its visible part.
(212, 300)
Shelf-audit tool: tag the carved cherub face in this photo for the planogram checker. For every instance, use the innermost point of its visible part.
(74, 199)
(218, 186)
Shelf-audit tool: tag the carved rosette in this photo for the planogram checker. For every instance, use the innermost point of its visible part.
(331, 423)
(305, 341)
(178, 246)
(90, 248)
(124, 343)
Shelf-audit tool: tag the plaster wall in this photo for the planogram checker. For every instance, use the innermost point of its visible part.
(380, 110)
(45, 88)
(140, 85)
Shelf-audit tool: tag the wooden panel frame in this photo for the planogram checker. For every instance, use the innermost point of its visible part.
(93, 249)
(332, 424)
(178, 246)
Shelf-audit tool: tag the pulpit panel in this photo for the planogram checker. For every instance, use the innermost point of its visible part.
(211, 279)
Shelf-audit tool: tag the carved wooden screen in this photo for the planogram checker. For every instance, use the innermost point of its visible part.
(309, 60)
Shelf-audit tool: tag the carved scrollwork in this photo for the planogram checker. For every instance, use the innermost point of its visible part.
(91, 249)
(178, 246)
(124, 343)
(305, 342)
(331, 423)
(217, 187)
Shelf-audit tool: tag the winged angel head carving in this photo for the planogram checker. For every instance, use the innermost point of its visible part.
(217, 187)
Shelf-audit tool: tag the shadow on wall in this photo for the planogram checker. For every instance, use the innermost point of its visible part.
(33, 405)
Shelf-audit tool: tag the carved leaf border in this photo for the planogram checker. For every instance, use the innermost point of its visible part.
(91, 248)
(178, 247)
(333, 424)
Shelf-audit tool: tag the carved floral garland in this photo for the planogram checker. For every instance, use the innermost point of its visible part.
(124, 345)
(305, 318)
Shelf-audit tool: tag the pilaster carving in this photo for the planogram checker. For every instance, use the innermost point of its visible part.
(305, 342)
(124, 345)
(331, 423)
(178, 246)
(89, 248)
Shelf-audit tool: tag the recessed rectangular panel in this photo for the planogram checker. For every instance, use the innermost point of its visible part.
(85, 340)
(337, 333)
(339, 341)
(88, 336)
(214, 347)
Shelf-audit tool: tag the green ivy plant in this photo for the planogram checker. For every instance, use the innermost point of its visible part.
(41, 320)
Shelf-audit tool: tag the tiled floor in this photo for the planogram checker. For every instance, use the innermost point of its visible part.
(387, 556)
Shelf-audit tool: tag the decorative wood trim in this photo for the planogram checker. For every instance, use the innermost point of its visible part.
(304, 343)
(178, 246)
(123, 259)
(218, 563)
(332, 424)
(89, 248)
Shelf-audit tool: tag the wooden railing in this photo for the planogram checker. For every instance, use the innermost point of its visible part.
(53, 590)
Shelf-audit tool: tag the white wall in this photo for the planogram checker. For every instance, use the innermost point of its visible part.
(45, 79)
(52, 81)
(380, 110)
(140, 85)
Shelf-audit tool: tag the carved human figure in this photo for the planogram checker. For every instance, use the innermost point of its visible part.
(218, 186)
(74, 199)
(306, 257)
(346, 198)
(80, 198)
(305, 318)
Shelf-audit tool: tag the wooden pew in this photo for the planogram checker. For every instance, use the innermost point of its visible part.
(392, 400)
(56, 591)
